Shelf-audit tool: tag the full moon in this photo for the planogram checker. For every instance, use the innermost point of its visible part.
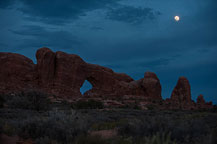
(176, 18)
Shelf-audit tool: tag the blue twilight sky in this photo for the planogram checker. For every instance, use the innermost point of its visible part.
(130, 36)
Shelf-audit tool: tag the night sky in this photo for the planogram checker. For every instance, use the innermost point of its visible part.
(130, 36)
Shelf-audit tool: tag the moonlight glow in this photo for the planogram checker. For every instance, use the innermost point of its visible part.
(176, 18)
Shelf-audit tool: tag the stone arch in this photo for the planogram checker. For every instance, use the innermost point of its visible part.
(93, 81)
(94, 85)
(86, 86)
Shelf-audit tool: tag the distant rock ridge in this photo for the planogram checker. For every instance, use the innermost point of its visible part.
(201, 104)
(62, 75)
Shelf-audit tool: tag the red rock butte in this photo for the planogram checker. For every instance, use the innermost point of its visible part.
(62, 75)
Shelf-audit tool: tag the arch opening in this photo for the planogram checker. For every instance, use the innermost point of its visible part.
(86, 87)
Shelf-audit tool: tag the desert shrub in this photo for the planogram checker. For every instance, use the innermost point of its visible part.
(8, 129)
(90, 140)
(137, 107)
(189, 131)
(158, 138)
(122, 140)
(45, 140)
(143, 127)
(104, 126)
(61, 105)
(129, 129)
(134, 126)
(183, 130)
(1, 126)
(58, 126)
(99, 140)
(151, 107)
(154, 139)
(90, 104)
(211, 138)
(2, 100)
(32, 100)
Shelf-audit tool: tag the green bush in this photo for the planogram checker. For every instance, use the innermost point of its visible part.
(32, 100)
(90, 104)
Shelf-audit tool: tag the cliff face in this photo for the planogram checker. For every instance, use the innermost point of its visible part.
(62, 75)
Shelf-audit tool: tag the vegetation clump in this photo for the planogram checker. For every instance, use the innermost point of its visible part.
(28, 116)
(89, 104)
(31, 100)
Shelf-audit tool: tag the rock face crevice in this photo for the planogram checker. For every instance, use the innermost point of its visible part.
(62, 75)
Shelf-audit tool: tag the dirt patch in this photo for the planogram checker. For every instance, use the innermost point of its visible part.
(4, 139)
(106, 134)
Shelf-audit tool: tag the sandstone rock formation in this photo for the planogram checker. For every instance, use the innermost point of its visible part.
(151, 85)
(59, 73)
(181, 95)
(62, 75)
(200, 100)
(182, 91)
(17, 72)
(202, 104)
